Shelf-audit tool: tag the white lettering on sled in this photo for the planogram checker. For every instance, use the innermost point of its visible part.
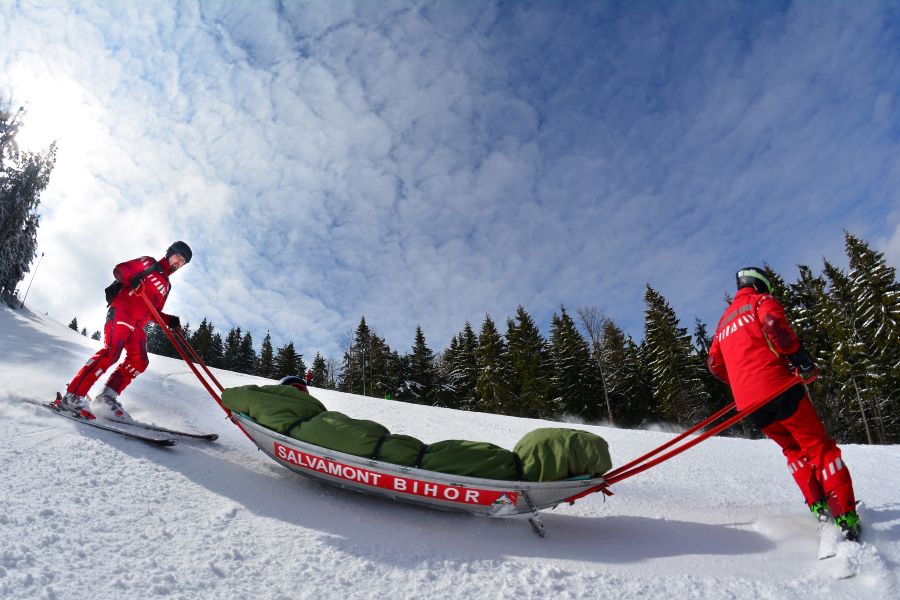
(404, 485)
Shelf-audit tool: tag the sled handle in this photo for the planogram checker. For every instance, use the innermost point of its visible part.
(175, 343)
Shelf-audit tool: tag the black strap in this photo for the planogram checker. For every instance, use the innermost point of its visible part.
(520, 471)
(377, 449)
(297, 423)
(420, 456)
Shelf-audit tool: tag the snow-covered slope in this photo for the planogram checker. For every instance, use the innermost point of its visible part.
(87, 514)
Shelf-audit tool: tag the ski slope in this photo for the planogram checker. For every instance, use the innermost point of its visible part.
(89, 514)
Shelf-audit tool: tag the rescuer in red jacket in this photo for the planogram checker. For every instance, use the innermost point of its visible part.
(756, 352)
(126, 319)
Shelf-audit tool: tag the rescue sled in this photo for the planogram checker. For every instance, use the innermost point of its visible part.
(484, 497)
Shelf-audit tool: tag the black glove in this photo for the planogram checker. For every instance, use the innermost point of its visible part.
(802, 363)
(174, 322)
(135, 282)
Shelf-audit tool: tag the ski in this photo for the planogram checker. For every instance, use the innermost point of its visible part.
(156, 441)
(209, 437)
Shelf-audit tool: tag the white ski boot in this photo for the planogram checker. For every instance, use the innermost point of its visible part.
(107, 405)
(77, 405)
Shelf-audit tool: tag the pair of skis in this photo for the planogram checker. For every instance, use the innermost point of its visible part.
(145, 432)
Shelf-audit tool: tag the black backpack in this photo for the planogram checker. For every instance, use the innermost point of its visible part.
(113, 289)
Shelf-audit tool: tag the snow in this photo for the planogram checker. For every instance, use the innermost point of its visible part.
(91, 514)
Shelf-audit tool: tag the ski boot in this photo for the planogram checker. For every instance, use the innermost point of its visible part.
(107, 405)
(77, 405)
(820, 511)
(849, 524)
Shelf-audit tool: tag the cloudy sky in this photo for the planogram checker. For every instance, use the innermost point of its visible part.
(430, 162)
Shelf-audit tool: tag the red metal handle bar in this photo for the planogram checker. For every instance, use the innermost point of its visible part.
(625, 472)
(196, 358)
(690, 444)
(156, 317)
(673, 441)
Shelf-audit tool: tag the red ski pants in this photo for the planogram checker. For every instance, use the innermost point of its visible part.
(118, 334)
(813, 457)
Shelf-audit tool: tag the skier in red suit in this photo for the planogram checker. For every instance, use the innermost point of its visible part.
(125, 322)
(757, 354)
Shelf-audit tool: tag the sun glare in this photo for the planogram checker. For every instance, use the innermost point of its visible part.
(55, 110)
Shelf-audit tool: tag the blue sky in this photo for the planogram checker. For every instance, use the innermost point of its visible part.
(431, 162)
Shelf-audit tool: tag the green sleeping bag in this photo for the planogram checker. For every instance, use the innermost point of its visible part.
(277, 407)
(472, 459)
(551, 454)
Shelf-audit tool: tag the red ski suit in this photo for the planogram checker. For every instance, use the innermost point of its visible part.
(125, 322)
(748, 353)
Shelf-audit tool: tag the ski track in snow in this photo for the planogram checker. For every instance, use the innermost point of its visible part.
(90, 514)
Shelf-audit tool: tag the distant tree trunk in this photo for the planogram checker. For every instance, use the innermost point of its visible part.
(592, 321)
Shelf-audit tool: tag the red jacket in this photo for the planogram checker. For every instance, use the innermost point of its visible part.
(749, 348)
(129, 305)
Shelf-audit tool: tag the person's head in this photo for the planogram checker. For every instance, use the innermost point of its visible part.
(294, 381)
(178, 255)
(755, 278)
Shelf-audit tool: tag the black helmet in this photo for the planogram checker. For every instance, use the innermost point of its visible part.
(182, 249)
(755, 278)
(294, 381)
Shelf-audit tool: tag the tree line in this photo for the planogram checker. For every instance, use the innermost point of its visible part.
(23, 176)
(589, 369)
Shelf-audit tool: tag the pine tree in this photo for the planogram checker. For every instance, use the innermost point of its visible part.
(201, 340)
(380, 375)
(216, 351)
(355, 377)
(528, 357)
(266, 365)
(84, 331)
(233, 348)
(96, 335)
(157, 343)
(246, 356)
(718, 393)
(494, 370)
(320, 378)
(676, 374)
(450, 375)
(876, 294)
(73, 324)
(630, 395)
(421, 387)
(574, 378)
(461, 375)
(23, 176)
(288, 362)
(848, 364)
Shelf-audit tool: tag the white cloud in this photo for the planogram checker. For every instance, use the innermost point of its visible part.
(427, 163)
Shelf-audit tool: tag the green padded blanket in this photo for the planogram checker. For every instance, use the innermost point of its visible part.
(337, 431)
(551, 454)
(399, 449)
(277, 407)
(471, 459)
(548, 454)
